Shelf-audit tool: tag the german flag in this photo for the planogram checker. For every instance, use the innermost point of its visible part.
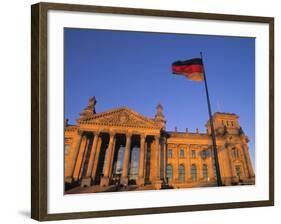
(192, 69)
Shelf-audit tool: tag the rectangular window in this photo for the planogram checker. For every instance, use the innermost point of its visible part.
(181, 153)
(193, 172)
(234, 153)
(205, 172)
(170, 153)
(238, 171)
(193, 154)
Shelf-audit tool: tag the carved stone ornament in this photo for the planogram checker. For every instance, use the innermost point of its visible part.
(121, 117)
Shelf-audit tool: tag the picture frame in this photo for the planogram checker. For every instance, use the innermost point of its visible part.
(40, 109)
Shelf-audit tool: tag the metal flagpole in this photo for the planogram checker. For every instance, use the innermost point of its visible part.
(219, 182)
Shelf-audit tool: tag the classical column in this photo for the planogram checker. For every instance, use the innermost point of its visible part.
(86, 181)
(96, 159)
(124, 178)
(140, 180)
(84, 158)
(79, 158)
(70, 163)
(105, 178)
(112, 158)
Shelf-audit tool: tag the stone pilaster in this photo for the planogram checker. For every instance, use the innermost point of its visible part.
(210, 164)
(248, 160)
(165, 160)
(188, 164)
(157, 182)
(234, 177)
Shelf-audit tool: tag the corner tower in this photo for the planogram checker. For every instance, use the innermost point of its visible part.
(159, 116)
(225, 123)
(232, 147)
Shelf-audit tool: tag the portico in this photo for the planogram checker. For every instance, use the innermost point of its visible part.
(117, 145)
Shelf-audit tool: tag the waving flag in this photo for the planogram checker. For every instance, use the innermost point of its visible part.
(192, 69)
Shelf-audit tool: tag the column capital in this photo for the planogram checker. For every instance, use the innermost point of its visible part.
(96, 132)
(111, 133)
(128, 134)
(80, 132)
(143, 136)
(156, 137)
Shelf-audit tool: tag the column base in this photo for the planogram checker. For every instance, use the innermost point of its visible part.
(124, 181)
(228, 181)
(140, 181)
(157, 184)
(68, 180)
(104, 182)
(86, 182)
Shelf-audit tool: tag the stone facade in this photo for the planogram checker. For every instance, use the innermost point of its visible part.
(122, 147)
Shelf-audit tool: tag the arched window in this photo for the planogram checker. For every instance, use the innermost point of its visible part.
(181, 173)
(205, 172)
(169, 172)
(193, 172)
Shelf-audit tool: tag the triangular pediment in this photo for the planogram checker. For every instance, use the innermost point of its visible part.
(120, 117)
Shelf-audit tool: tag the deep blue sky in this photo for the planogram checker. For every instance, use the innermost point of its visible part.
(134, 69)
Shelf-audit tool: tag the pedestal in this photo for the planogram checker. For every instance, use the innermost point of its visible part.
(68, 180)
(157, 184)
(86, 182)
(124, 181)
(104, 181)
(140, 181)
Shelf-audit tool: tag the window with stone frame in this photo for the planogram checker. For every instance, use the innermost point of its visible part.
(193, 154)
(204, 153)
(238, 170)
(193, 172)
(181, 153)
(235, 153)
(181, 173)
(205, 172)
(169, 172)
(170, 153)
